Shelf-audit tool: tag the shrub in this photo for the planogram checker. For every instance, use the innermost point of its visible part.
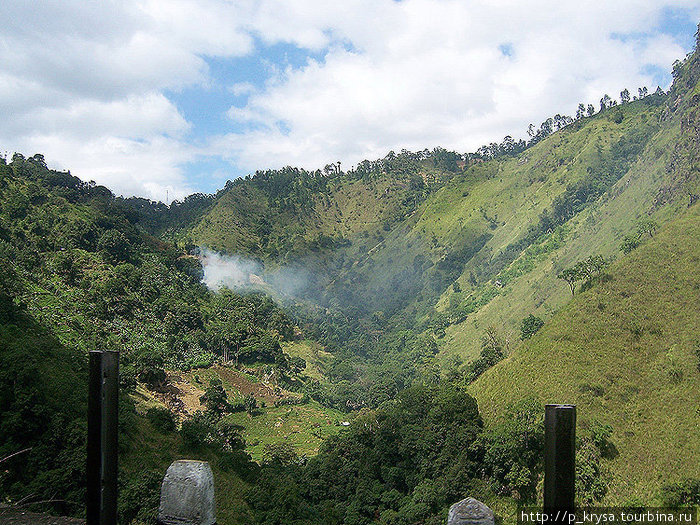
(161, 419)
(139, 497)
(196, 431)
(215, 398)
(530, 326)
(683, 493)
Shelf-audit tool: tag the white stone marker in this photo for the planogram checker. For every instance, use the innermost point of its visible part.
(470, 512)
(187, 494)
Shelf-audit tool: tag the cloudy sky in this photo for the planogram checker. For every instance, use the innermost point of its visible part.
(146, 96)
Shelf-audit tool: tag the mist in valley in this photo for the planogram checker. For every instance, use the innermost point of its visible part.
(241, 273)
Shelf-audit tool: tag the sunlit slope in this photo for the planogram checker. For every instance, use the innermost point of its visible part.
(660, 182)
(627, 353)
(248, 219)
(529, 283)
(470, 228)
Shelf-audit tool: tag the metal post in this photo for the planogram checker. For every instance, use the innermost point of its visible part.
(110, 437)
(102, 446)
(94, 440)
(559, 458)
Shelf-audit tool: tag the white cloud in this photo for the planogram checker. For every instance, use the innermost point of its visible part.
(86, 83)
(242, 88)
(147, 167)
(424, 73)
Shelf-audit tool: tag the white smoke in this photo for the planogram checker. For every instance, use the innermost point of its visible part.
(237, 272)
(287, 280)
(231, 271)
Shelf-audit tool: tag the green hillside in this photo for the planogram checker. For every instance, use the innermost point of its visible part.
(279, 215)
(627, 353)
(80, 273)
(428, 277)
(413, 246)
(501, 228)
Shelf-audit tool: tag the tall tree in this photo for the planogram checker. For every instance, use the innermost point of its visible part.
(625, 96)
(580, 112)
(571, 276)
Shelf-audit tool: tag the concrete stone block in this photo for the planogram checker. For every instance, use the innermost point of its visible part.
(187, 494)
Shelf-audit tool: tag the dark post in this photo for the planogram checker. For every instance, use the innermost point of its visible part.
(102, 447)
(94, 440)
(559, 458)
(110, 442)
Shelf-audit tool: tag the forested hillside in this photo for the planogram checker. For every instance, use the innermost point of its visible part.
(563, 268)
(79, 274)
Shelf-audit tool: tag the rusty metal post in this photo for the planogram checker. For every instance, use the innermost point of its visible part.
(102, 446)
(559, 458)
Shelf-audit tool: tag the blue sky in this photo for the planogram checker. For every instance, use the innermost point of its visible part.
(156, 96)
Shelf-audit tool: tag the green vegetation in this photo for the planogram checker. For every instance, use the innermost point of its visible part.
(631, 241)
(403, 463)
(531, 324)
(305, 427)
(589, 270)
(623, 352)
(429, 279)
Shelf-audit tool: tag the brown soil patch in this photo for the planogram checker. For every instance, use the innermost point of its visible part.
(182, 397)
(179, 395)
(259, 390)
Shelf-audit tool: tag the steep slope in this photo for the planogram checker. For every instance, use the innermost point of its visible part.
(279, 215)
(398, 239)
(627, 353)
(79, 274)
(473, 228)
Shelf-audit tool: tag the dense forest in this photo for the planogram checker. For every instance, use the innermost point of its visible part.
(405, 372)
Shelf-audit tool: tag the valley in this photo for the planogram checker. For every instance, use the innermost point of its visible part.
(393, 332)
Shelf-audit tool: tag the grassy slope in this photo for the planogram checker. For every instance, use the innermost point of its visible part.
(559, 160)
(502, 198)
(305, 427)
(148, 449)
(316, 358)
(626, 352)
(497, 198)
(657, 185)
(232, 224)
(232, 220)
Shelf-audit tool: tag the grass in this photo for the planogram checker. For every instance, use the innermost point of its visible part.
(316, 359)
(625, 352)
(530, 283)
(303, 426)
